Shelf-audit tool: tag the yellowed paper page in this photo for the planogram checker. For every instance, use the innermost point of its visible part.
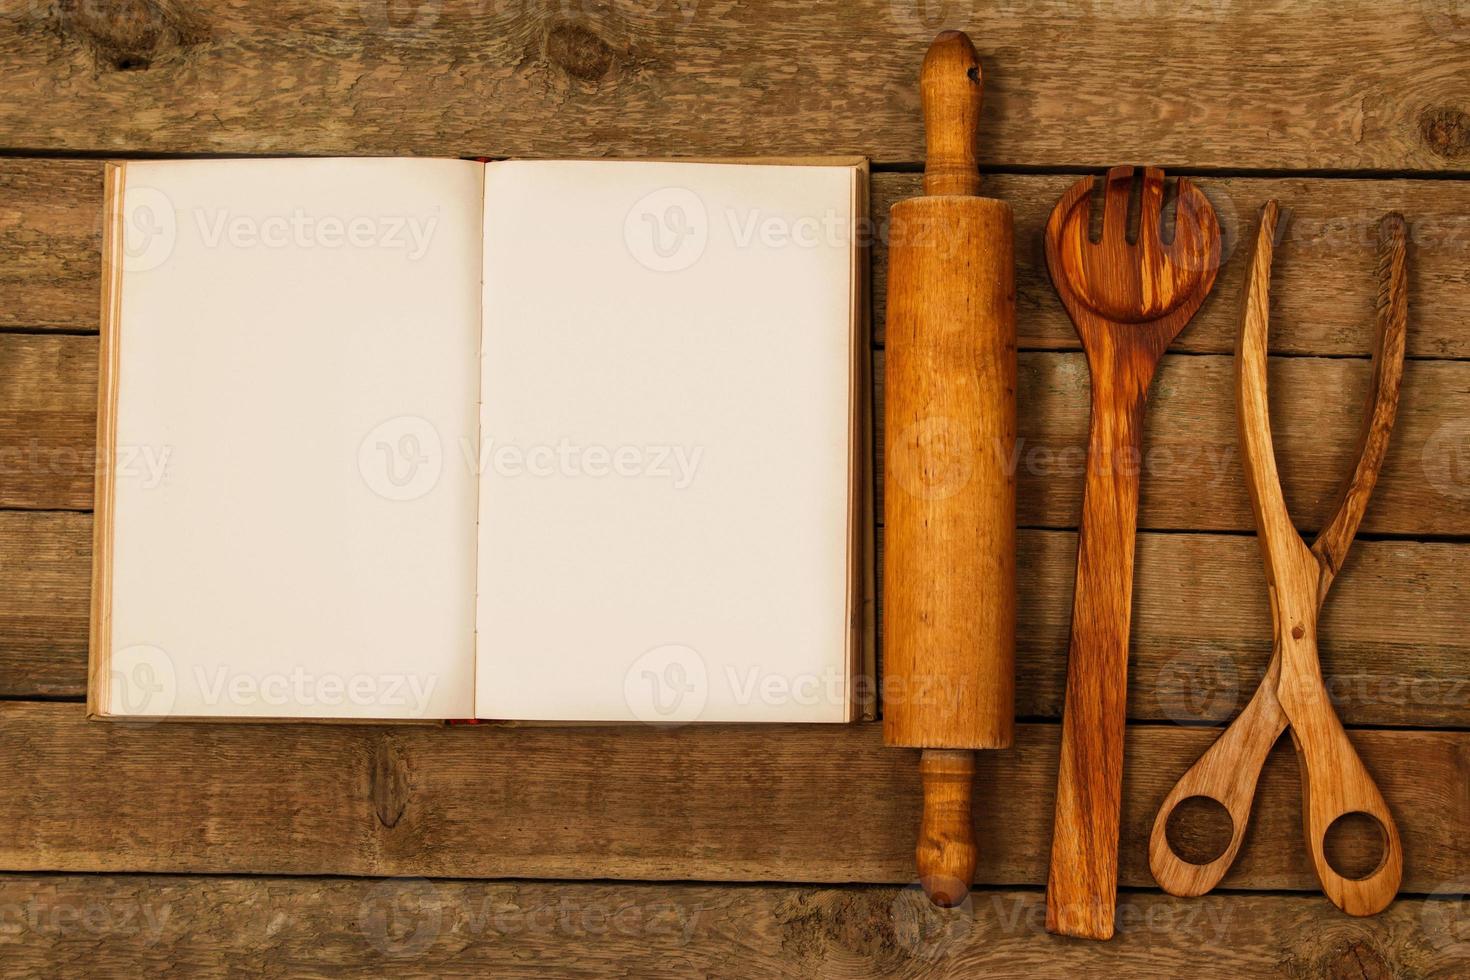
(664, 447)
(294, 517)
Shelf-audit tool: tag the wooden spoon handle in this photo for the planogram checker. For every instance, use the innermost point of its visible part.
(951, 89)
(1082, 883)
(946, 851)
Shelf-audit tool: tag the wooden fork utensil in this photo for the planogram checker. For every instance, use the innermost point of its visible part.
(1334, 781)
(1128, 301)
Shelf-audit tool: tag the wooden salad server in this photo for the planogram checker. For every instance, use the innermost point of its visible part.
(1334, 781)
(1128, 301)
(950, 569)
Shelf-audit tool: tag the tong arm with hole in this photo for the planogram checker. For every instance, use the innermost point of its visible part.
(1226, 773)
(1333, 779)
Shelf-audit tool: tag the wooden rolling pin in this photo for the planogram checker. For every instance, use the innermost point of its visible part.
(950, 494)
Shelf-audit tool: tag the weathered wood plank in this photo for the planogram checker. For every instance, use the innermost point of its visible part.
(1324, 279)
(50, 244)
(1323, 288)
(193, 926)
(683, 77)
(1192, 477)
(1395, 653)
(727, 803)
(45, 593)
(1202, 630)
(48, 420)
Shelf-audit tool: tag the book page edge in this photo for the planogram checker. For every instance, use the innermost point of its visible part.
(99, 645)
(862, 584)
(839, 160)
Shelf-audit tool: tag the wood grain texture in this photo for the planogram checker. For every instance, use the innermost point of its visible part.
(950, 413)
(1326, 255)
(626, 78)
(950, 417)
(196, 926)
(945, 853)
(950, 632)
(1335, 783)
(1292, 694)
(48, 421)
(1128, 298)
(952, 95)
(1201, 634)
(50, 244)
(1192, 477)
(713, 803)
(50, 240)
(45, 565)
(684, 77)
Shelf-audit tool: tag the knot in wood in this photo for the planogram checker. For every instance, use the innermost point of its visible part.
(1446, 131)
(128, 35)
(390, 785)
(578, 51)
(1354, 959)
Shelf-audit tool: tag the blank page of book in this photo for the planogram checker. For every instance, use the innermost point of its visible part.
(293, 522)
(665, 426)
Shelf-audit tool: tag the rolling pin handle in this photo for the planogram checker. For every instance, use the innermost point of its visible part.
(951, 88)
(946, 851)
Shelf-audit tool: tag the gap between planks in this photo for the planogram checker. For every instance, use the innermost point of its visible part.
(729, 803)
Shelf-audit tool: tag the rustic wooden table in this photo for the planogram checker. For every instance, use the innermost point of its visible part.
(755, 851)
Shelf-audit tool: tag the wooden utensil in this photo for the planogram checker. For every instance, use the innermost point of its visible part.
(1128, 301)
(1334, 780)
(949, 584)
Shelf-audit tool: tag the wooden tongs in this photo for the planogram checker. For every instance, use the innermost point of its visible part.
(1334, 781)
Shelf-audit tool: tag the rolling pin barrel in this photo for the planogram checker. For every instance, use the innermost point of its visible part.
(949, 594)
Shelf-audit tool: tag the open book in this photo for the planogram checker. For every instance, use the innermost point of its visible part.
(437, 439)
